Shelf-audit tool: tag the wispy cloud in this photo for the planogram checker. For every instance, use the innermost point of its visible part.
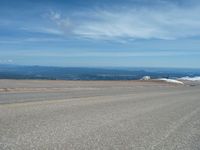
(31, 39)
(6, 61)
(62, 23)
(44, 30)
(168, 22)
(42, 53)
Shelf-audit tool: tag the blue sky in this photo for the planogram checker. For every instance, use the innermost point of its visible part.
(100, 33)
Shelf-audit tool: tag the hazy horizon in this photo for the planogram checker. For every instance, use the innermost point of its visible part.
(101, 67)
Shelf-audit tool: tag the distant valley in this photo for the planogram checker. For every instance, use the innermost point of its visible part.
(81, 73)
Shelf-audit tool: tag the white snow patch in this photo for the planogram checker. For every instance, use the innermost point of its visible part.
(146, 78)
(190, 78)
(170, 80)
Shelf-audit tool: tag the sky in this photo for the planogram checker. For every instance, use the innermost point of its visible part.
(100, 33)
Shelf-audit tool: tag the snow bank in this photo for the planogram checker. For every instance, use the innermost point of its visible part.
(170, 80)
(146, 78)
(190, 78)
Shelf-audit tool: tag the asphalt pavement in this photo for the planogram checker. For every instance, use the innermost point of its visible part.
(98, 115)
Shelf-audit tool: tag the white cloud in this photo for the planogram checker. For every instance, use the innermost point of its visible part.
(24, 53)
(166, 22)
(9, 60)
(31, 39)
(43, 30)
(6, 61)
(63, 23)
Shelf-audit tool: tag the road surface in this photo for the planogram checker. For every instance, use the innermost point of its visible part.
(98, 115)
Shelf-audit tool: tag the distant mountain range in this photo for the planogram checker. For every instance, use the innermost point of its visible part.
(81, 73)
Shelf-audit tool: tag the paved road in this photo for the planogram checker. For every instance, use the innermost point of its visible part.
(103, 115)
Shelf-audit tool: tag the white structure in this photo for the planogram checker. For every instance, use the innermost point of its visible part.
(146, 78)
